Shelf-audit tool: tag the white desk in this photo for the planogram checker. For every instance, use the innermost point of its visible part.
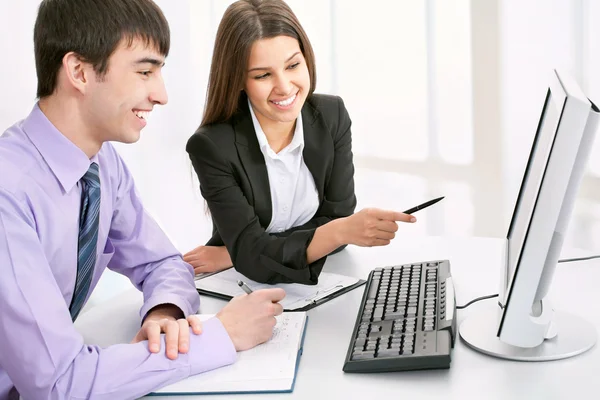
(475, 264)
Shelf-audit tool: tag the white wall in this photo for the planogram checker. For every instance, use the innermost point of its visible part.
(537, 36)
(17, 70)
(404, 70)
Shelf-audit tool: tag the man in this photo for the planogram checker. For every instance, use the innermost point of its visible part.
(69, 209)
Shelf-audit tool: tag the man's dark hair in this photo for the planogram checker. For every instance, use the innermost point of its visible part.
(92, 29)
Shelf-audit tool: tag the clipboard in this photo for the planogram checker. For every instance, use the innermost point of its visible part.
(300, 297)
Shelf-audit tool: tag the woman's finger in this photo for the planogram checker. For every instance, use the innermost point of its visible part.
(385, 235)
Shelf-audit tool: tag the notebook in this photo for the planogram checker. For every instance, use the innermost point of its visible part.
(269, 367)
(298, 297)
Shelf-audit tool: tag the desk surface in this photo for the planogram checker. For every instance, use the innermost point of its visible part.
(475, 265)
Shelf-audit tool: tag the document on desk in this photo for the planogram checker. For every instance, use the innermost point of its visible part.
(269, 367)
(298, 297)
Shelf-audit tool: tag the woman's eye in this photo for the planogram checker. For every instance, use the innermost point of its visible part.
(293, 65)
(261, 76)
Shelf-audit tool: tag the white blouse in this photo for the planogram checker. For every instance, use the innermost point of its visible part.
(294, 195)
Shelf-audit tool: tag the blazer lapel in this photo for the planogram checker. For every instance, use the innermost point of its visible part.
(317, 149)
(253, 163)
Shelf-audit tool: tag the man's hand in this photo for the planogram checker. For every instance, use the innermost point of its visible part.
(168, 319)
(249, 319)
(208, 259)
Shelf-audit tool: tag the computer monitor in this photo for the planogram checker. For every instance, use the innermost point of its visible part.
(524, 326)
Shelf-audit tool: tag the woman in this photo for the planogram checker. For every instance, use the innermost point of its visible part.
(274, 160)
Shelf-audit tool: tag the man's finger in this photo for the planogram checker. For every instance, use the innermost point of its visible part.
(153, 333)
(184, 336)
(277, 309)
(171, 329)
(195, 323)
(138, 337)
(275, 295)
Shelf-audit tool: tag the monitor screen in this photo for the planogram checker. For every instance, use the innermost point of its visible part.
(532, 181)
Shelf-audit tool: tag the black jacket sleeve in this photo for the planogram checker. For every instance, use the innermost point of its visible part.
(264, 257)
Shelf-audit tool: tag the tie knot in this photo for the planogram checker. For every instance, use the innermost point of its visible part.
(92, 176)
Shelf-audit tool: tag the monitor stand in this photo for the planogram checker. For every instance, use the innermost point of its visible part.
(574, 336)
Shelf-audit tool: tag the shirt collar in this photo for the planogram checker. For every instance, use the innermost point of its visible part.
(66, 161)
(297, 140)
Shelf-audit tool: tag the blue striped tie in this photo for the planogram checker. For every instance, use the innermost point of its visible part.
(88, 237)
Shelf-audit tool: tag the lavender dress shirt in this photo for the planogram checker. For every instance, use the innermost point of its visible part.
(42, 356)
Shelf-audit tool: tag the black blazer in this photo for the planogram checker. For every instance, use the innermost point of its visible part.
(234, 181)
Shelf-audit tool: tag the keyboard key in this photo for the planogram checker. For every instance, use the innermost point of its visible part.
(388, 353)
(373, 289)
(394, 314)
(360, 343)
(363, 355)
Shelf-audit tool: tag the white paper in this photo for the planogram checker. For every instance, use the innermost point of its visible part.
(270, 366)
(297, 295)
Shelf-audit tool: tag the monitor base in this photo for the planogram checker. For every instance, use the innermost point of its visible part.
(575, 336)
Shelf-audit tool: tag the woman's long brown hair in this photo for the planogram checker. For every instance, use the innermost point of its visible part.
(243, 23)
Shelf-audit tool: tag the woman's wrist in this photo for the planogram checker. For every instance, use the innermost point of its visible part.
(339, 231)
(224, 257)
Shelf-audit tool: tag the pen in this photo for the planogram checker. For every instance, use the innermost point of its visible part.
(422, 206)
(244, 287)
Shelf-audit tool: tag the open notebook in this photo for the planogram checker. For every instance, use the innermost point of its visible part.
(269, 367)
(298, 297)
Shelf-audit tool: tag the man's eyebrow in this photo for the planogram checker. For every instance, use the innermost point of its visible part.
(150, 60)
(265, 68)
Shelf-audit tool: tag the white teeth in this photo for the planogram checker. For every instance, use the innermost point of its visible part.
(142, 114)
(287, 102)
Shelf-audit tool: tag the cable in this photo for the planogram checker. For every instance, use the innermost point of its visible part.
(490, 296)
(578, 259)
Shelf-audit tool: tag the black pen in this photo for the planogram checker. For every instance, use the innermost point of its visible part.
(244, 287)
(422, 206)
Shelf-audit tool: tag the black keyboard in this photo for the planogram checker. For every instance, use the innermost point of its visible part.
(406, 319)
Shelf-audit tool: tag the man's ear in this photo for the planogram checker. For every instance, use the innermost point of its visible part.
(77, 72)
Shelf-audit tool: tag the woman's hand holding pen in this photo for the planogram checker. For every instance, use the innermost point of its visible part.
(371, 227)
(249, 319)
(208, 259)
